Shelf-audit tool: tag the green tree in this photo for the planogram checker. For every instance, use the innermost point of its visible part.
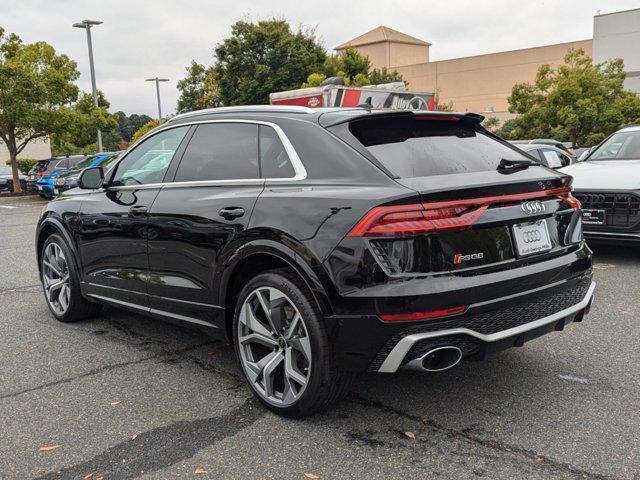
(506, 131)
(491, 123)
(85, 119)
(264, 57)
(36, 85)
(198, 90)
(579, 101)
(355, 68)
(143, 130)
(382, 75)
(127, 125)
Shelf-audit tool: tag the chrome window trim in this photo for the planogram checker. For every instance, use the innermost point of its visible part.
(393, 361)
(294, 158)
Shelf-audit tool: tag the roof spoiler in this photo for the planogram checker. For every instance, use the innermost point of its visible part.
(331, 119)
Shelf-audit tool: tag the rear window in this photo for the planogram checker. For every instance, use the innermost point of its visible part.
(417, 148)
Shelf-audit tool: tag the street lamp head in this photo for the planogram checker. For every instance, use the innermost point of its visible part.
(156, 79)
(87, 23)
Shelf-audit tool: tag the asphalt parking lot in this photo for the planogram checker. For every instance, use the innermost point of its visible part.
(125, 396)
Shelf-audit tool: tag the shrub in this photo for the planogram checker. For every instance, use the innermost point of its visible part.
(24, 164)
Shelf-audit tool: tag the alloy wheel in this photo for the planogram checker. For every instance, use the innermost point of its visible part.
(55, 278)
(274, 346)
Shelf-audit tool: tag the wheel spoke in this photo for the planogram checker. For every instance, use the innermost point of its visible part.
(249, 319)
(268, 373)
(290, 369)
(293, 326)
(302, 345)
(53, 268)
(258, 338)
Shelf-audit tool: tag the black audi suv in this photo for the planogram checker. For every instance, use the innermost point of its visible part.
(323, 243)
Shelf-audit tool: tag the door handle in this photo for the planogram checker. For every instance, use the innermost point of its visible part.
(137, 210)
(230, 213)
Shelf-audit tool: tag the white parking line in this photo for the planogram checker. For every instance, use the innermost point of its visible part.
(7, 206)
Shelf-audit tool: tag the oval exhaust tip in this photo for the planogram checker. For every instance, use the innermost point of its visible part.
(441, 358)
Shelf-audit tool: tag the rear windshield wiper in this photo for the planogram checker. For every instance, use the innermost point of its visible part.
(507, 164)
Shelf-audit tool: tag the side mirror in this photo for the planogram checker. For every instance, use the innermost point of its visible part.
(91, 178)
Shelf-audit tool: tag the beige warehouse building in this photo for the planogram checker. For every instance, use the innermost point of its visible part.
(483, 83)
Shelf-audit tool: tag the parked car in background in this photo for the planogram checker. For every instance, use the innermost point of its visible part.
(548, 155)
(39, 169)
(607, 183)
(324, 242)
(69, 179)
(6, 179)
(564, 146)
(56, 166)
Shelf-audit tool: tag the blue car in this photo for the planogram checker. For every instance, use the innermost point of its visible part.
(57, 166)
(69, 179)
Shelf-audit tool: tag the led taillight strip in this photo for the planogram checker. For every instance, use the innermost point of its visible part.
(401, 220)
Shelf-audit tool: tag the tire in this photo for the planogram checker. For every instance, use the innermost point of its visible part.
(287, 297)
(65, 302)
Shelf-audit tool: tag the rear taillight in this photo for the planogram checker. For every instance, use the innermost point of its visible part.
(417, 316)
(415, 219)
(44, 172)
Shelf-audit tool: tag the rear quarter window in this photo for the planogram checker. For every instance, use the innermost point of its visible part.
(416, 148)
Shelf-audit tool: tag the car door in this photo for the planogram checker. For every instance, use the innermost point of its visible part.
(112, 235)
(200, 218)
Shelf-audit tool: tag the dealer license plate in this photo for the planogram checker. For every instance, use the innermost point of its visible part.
(593, 217)
(532, 237)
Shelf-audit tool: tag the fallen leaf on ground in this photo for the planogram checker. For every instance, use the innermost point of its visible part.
(89, 476)
(497, 429)
(539, 458)
(134, 436)
(49, 448)
(410, 435)
(424, 419)
(116, 402)
(311, 475)
(507, 449)
(201, 471)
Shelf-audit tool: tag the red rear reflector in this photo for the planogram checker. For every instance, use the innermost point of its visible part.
(417, 316)
(403, 220)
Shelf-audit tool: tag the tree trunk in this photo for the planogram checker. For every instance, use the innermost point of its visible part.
(17, 188)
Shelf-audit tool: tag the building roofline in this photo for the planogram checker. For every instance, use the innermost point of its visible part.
(496, 53)
(614, 13)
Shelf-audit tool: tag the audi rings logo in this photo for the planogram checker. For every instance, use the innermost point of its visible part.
(591, 198)
(531, 236)
(532, 207)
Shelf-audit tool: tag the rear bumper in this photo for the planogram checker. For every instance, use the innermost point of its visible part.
(514, 336)
(366, 343)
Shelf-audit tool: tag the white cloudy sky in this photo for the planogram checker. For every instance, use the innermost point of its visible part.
(141, 38)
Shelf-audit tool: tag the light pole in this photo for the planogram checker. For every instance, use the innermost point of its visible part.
(87, 24)
(158, 80)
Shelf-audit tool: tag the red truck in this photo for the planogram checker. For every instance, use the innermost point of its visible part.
(388, 95)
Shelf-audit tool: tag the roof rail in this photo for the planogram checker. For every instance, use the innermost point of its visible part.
(246, 108)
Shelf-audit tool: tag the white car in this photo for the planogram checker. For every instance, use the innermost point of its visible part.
(607, 184)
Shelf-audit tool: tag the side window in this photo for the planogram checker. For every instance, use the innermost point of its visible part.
(274, 160)
(221, 151)
(566, 161)
(149, 161)
(535, 153)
